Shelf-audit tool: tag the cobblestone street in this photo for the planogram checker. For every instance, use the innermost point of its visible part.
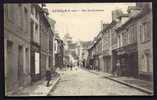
(81, 82)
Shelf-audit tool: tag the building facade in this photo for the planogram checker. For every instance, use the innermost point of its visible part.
(35, 42)
(127, 53)
(59, 52)
(107, 58)
(51, 44)
(28, 43)
(145, 41)
(45, 33)
(17, 46)
(135, 43)
(126, 41)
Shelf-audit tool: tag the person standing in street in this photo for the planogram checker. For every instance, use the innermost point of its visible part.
(78, 63)
(118, 68)
(48, 77)
(71, 66)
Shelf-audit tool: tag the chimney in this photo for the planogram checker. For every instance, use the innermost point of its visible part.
(105, 25)
(116, 14)
(46, 11)
(133, 10)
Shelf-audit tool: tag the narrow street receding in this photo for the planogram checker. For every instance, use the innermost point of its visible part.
(78, 49)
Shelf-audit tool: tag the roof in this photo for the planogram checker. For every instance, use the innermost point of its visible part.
(136, 16)
(127, 21)
(132, 8)
(51, 21)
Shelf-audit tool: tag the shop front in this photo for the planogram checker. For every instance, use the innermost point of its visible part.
(127, 57)
(107, 61)
(35, 62)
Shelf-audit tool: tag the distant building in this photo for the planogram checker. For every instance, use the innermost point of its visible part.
(82, 51)
(67, 39)
(59, 52)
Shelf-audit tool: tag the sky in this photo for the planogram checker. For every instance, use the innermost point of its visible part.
(82, 20)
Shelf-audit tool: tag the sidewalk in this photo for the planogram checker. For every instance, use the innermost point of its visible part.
(37, 89)
(144, 86)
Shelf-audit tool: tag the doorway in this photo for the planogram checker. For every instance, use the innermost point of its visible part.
(133, 65)
(20, 65)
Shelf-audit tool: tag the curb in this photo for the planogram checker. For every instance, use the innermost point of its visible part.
(132, 86)
(53, 85)
(128, 84)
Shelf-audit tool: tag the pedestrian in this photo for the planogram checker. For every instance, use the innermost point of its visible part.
(48, 77)
(78, 63)
(118, 68)
(71, 66)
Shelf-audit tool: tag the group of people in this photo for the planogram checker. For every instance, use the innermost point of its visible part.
(70, 66)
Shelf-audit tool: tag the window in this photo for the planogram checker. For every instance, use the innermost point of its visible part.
(20, 16)
(32, 10)
(26, 60)
(9, 59)
(134, 33)
(25, 18)
(5, 10)
(36, 15)
(141, 32)
(121, 40)
(11, 13)
(37, 62)
(145, 31)
(37, 33)
(32, 29)
(125, 39)
(131, 34)
(20, 61)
